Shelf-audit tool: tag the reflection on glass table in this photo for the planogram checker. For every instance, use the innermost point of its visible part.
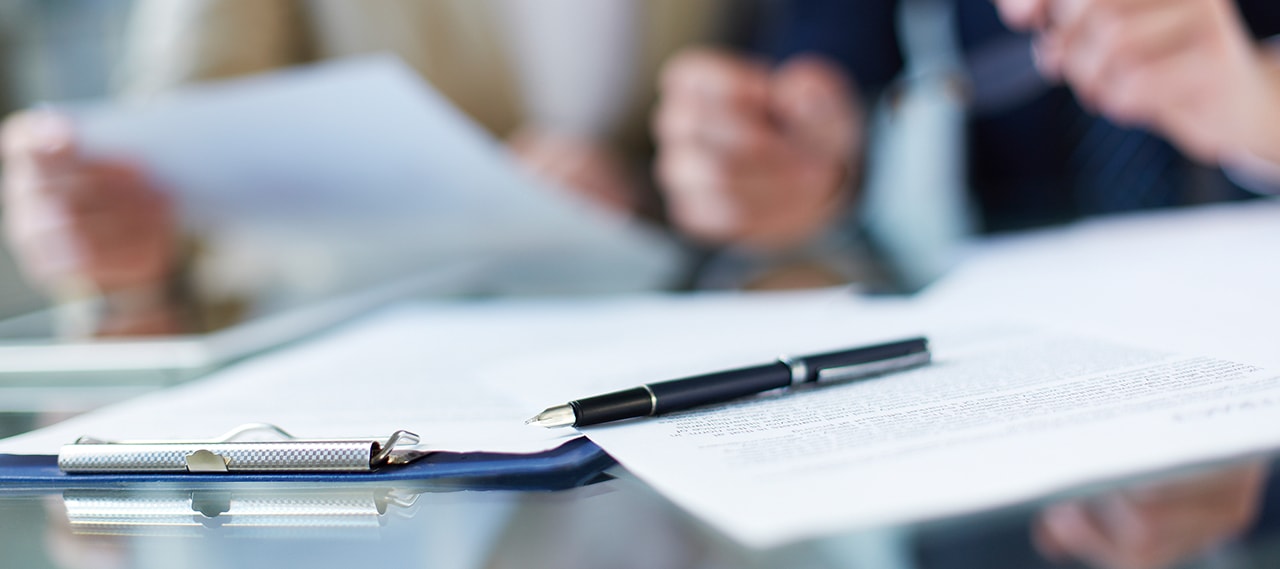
(1224, 517)
(43, 372)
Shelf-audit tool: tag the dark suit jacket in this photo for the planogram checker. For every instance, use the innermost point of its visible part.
(1018, 167)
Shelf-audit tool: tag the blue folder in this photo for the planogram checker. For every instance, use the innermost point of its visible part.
(574, 463)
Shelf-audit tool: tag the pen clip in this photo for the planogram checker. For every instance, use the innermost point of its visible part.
(868, 369)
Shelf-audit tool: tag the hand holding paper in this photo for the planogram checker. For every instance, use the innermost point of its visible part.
(83, 227)
(299, 184)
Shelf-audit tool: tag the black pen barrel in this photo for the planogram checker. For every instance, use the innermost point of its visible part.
(718, 387)
(616, 406)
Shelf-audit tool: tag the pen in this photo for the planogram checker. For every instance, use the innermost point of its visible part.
(718, 387)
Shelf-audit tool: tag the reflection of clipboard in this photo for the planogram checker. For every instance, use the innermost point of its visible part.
(257, 512)
(230, 459)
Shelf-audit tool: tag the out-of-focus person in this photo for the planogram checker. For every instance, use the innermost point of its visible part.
(779, 137)
(571, 99)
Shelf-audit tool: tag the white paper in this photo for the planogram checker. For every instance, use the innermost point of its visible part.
(1199, 280)
(429, 368)
(351, 170)
(362, 136)
(994, 421)
(395, 371)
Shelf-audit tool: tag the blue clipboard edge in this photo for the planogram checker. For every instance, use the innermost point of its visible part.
(575, 463)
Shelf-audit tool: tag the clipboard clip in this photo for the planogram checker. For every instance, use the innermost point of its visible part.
(232, 452)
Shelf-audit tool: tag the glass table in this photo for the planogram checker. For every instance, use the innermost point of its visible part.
(615, 522)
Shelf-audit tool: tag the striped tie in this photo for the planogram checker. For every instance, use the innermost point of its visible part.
(1119, 169)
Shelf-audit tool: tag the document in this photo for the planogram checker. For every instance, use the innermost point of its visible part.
(999, 418)
(424, 367)
(1196, 280)
(352, 170)
(388, 372)
(1003, 415)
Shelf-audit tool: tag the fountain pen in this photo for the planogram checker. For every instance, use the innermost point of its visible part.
(723, 386)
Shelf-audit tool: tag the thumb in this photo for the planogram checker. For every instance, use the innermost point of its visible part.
(817, 106)
(41, 140)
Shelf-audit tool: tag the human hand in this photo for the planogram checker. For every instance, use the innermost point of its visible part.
(752, 156)
(1187, 69)
(579, 164)
(71, 220)
(1154, 526)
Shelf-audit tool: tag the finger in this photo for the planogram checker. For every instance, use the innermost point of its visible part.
(1113, 47)
(49, 261)
(128, 252)
(698, 198)
(817, 106)
(89, 188)
(1138, 540)
(1071, 19)
(717, 196)
(53, 242)
(694, 118)
(41, 140)
(1024, 14)
(1166, 95)
(1048, 53)
(1073, 528)
(716, 78)
(55, 238)
(1046, 542)
(767, 206)
(738, 138)
(1160, 536)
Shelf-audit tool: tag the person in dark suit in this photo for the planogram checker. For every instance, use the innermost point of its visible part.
(1141, 80)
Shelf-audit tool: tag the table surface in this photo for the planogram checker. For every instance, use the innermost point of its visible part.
(621, 523)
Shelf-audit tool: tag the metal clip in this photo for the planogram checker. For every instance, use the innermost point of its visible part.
(231, 453)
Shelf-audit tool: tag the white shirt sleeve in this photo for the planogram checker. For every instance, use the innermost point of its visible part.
(576, 61)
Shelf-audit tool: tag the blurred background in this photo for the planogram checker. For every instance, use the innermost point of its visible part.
(52, 50)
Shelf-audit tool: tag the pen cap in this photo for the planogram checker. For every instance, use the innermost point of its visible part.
(865, 361)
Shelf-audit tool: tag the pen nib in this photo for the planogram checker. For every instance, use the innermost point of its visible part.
(558, 416)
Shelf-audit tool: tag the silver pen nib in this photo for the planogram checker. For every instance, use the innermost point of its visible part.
(558, 416)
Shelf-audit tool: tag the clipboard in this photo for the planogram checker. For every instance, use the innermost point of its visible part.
(575, 463)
